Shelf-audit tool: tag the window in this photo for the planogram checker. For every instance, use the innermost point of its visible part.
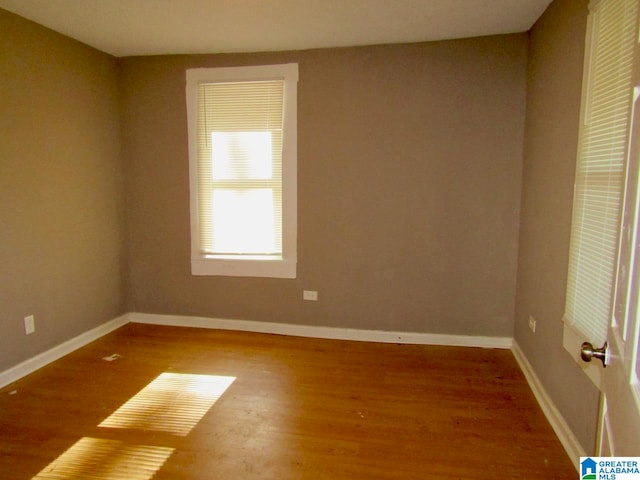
(601, 169)
(243, 172)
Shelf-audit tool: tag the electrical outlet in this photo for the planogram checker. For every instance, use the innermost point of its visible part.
(532, 324)
(29, 325)
(310, 295)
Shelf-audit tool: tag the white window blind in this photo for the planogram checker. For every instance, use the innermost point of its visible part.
(601, 166)
(240, 131)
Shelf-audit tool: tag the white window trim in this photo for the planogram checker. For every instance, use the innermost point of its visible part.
(284, 267)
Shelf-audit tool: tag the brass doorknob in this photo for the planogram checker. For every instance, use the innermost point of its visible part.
(587, 352)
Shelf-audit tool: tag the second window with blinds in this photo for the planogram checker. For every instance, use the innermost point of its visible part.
(242, 159)
(601, 174)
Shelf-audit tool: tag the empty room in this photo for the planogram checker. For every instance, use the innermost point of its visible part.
(297, 239)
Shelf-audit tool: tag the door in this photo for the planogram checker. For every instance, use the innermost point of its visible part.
(619, 433)
(606, 259)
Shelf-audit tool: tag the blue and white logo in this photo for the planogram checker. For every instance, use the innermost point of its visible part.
(609, 468)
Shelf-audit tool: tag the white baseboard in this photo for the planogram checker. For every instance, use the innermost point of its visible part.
(29, 366)
(565, 435)
(333, 333)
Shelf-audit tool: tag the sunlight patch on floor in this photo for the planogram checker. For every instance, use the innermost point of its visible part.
(172, 403)
(99, 459)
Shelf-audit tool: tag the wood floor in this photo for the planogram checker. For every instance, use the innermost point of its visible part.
(254, 406)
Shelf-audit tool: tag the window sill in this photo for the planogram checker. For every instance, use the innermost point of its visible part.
(246, 267)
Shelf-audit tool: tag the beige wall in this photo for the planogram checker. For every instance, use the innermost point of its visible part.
(61, 189)
(553, 109)
(409, 189)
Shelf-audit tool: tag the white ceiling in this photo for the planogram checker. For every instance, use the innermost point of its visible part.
(153, 27)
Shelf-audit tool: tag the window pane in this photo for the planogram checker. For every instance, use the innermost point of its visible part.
(241, 155)
(243, 221)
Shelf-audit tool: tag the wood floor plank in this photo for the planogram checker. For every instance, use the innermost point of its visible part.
(297, 408)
